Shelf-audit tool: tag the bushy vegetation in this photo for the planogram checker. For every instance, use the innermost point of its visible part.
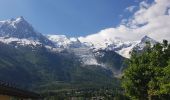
(148, 74)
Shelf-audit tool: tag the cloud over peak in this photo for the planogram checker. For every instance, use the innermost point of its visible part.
(150, 19)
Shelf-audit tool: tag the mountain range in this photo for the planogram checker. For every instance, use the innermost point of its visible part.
(43, 60)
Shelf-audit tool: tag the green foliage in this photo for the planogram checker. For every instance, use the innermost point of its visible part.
(148, 73)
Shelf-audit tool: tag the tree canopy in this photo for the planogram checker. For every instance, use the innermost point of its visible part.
(148, 74)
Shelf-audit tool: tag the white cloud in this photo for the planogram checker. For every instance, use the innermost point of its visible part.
(148, 12)
(150, 19)
(168, 11)
(130, 9)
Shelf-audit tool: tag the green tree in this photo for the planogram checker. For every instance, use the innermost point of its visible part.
(148, 73)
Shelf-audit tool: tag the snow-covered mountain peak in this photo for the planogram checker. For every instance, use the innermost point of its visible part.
(59, 40)
(20, 18)
(124, 48)
(140, 46)
(147, 39)
(127, 47)
(57, 37)
(63, 41)
(13, 22)
(17, 27)
(21, 29)
(103, 43)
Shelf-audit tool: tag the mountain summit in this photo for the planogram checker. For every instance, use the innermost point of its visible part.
(142, 43)
(19, 28)
(148, 39)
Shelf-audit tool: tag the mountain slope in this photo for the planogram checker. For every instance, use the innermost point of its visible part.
(41, 67)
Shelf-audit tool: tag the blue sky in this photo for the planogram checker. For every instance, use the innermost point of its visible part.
(69, 17)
